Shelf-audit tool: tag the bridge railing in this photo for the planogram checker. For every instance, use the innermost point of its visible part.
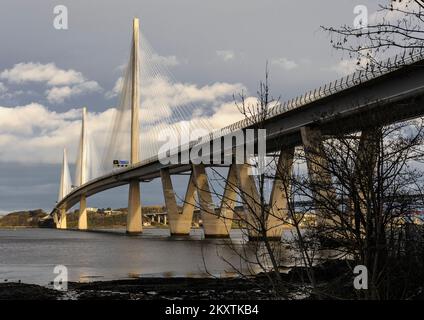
(371, 72)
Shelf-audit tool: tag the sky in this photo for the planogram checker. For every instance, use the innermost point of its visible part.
(213, 49)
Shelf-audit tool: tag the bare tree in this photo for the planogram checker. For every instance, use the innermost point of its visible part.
(397, 27)
(354, 201)
(377, 175)
(376, 186)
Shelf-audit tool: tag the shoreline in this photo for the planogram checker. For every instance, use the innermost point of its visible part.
(257, 287)
(206, 288)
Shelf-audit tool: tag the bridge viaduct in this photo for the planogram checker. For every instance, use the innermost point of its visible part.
(356, 103)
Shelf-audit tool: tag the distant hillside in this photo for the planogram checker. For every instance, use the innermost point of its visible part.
(30, 218)
(102, 218)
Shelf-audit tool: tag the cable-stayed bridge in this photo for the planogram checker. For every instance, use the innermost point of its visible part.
(369, 98)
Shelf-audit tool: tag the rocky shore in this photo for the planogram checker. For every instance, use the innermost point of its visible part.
(253, 288)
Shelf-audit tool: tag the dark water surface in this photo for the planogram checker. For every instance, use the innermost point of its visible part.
(30, 255)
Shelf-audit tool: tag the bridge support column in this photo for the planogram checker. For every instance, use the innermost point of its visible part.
(280, 194)
(229, 197)
(82, 216)
(179, 223)
(62, 219)
(56, 220)
(320, 178)
(134, 219)
(251, 201)
(214, 226)
(188, 206)
(367, 154)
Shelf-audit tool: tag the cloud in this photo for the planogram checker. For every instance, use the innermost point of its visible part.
(33, 133)
(37, 72)
(3, 89)
(227, 113)
(226, 55)
(116, 89)
(395, 14)
(284, 63)
(60, 94)
(160, 96)
(345, 67)
(182, 93)
(348, 66)
(5, 93)
(167, 61)
(62, 84)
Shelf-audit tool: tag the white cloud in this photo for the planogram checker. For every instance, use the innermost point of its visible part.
(160, 96)
(167, 61)
(399, 7)
(116, 89)
(62, 84)
(3, 89)
(182, 93)
(285, 63)
(35, 134)
(226, 55)
(59, 94)
(348, 66)
(226, 114)
(37, 72)
(345, 67)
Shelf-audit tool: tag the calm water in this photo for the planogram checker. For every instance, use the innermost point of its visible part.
(30, 255)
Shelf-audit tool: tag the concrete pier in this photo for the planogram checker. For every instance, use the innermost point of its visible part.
(179, 223)
(82, 216)
(280, 194)
(213, 225)
(134, 220)
(62, 219)
(229, 198)
(251, 201)
(317, 169)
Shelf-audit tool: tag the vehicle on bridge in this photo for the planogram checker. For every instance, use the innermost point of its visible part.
(120, 163)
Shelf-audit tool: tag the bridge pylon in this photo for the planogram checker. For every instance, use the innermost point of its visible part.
(134, 218)
(82, 216)
(64, 188)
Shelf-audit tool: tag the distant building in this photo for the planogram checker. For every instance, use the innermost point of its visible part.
(111, 212)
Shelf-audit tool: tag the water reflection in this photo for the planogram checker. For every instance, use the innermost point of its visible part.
(30, 255)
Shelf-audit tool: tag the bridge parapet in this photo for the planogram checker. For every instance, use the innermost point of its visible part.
(371, 72)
